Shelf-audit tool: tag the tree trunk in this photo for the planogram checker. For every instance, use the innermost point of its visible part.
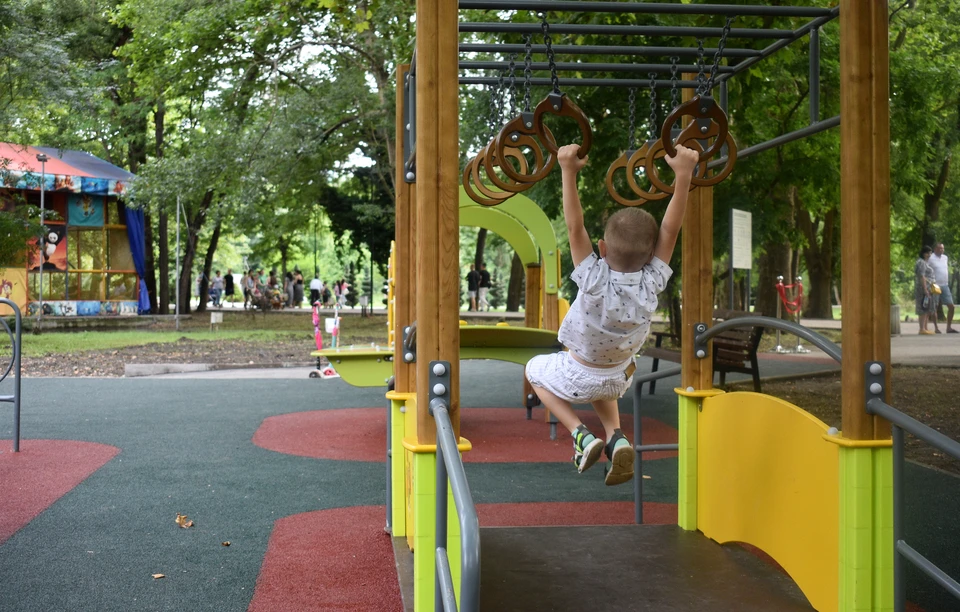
(516, 286)
(194, 224)
(773, 262)
(818, 256)
(164, 272)
(208, 265)
(481, 245)
(931, 202)
(149, 262)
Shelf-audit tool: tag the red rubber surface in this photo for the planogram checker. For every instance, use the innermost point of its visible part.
(341, 559)
(498, 435)
(40, 474)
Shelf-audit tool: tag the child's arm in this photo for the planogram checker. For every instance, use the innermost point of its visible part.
(683, 164)
(570, 165)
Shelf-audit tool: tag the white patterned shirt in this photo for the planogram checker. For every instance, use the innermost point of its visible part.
(939, 265)
(610, 318)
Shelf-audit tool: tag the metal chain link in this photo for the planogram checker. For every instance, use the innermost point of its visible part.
(674, 89)
(492, 121)
(512, 75)
(545, 28)
(527, 70)
(502, 94)
(632, 106)
(701, 67)
(653, 104)
(718, 54)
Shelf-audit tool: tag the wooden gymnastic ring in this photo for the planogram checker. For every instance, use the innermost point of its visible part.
(562, 106)
(478, 161)
(651, 170)
(698, 107)
(491, 162)
(510, 135)
(471, 193)
(645, 196)
(727, 168)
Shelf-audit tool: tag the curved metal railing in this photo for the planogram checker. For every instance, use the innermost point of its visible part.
(702, 333)
(13, 367)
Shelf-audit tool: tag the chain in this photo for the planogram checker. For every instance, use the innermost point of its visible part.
(632, 104)
(718, 54)
(545, 27)
(701, 66)
(527, 71)
(653, 104)
(511, 74)
(501, 97)
(674, 90)
(493, 109)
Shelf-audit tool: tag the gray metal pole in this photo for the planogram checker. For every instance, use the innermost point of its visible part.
(43, 232)
(441, 541)
(177, 311)
(731, 284)
(621, 30)
(810, 130)
(638, 473)
(814, 75)
(579, 82)
(644, 7)
(618, 50)
(591, 67)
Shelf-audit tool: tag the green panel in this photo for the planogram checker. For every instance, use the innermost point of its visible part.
(687, 463)
(532, 217)
(397, 480)
(491, 336)
(866, 529)
(366, 367)
(424, 511)
(504, 226)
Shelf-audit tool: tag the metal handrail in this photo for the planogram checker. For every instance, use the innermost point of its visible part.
(902, 422)
(704, 333)
(15, 337)
(637, 433)
(450, 463)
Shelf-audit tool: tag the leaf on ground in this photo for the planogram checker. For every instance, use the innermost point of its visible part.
(183, 521)
(227, 543)
(645, 477)
(158, 576)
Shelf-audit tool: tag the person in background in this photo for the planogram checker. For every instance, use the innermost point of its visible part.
(288, 289)
(926, 302)
(482, 303)
(297, 288)
(473, 285)
(316, 287)
(228, 288)
(938, 261)
(216, 289)
(249, 288)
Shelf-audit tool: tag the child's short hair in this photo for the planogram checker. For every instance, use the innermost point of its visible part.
(631, 235)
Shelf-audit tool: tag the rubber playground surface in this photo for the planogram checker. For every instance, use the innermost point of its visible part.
(284, 482)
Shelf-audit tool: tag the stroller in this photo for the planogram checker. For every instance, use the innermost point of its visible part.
(324, 371)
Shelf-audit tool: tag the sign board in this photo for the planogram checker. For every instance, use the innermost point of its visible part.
(216, 318)
(741, 239)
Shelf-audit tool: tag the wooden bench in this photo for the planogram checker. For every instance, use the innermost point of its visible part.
(735, 350)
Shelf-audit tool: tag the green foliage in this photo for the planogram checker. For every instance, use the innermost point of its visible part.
(16, 227)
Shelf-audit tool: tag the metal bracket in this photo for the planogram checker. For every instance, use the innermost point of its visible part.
(700, 349)
(874, 382)
(439, 384)
(409, 344)
(556, 101)
(527, 119)
(410, 129)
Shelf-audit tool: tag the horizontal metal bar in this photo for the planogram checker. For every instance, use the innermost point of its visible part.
(821, 342)
(445, 576)
(469, 80)
(622, 30)
(914, 427)
(606, 50)
(650, 448)
(585, 67)
(644, 7)
(810, 130)
(780, 44)
(642, 378)
(466, 509)
(928, 568)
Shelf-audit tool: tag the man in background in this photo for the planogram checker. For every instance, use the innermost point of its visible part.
(938, 261)
(482, 303)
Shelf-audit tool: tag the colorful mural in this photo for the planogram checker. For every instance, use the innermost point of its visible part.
(13, 286)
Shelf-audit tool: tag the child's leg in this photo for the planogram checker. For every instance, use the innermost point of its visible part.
(609, 413)
(587, 448)
(560, 408)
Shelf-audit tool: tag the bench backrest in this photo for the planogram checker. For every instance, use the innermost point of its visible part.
(735, 347)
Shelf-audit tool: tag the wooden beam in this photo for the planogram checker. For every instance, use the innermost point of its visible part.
(697, 270)
(438, 238)
(864, 207)
(405, 267)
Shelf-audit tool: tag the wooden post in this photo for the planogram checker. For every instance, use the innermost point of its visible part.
(551, 305)
(438, 213)
(697, 268)
(404, 272)
(531, 315)
(865, 207)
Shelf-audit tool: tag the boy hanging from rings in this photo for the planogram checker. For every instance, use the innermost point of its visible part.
(610, 318)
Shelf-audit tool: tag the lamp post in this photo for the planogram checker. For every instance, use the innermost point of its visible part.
(42, 158)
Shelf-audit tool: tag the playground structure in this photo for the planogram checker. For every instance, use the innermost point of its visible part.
(752, 468)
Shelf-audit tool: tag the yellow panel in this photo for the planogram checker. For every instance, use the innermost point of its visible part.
(768, 478)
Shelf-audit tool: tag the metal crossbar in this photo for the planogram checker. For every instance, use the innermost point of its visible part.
(621, 30)
(13, 367)
(902, 422)
(644, 7)
(606, 50)
(589, 67)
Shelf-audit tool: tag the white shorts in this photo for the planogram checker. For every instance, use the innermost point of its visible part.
(570, 380)
(472, 294)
